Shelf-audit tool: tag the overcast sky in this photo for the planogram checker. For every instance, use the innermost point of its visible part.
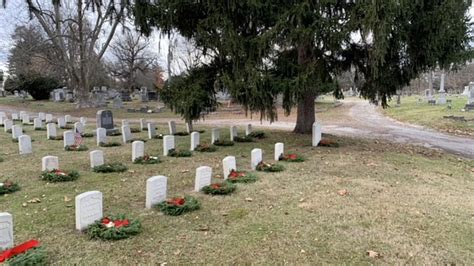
(16, 14)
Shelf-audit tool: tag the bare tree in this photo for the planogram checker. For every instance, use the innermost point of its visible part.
(75, 29)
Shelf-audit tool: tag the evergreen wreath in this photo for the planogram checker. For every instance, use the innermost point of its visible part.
(135, 130)
(159, 136)
(205, 148)
(57, 175)
(243, 139)
(179, 153)
(56, 138)
(147, 160)
(87, 135)
(80, 147)
(182, 133)
(8, 187)
(40, 129)
(110, 168)
(291, 157)
(241, 177)
(325, 142)
(109, 144)
(113, 228)
(223, 188)
(67, 126)
(179, 205)
(269, 167)
(257, 134)
(28, 253)
(223, 143)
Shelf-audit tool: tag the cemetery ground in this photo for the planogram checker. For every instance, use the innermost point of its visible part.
(406, 203)
(432, 116)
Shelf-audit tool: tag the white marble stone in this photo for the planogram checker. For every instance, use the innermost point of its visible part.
(203, 177)
(6, 231)
(42, 116)
(49, 118)
(26, 119)
(79, 128)
(172, 127)
(317, 132)
(67, 118)
(51, 131)
(37, 123)
(248, 129)
(49, 163)
(168, 144)
(143, 124)
(228, 164)
(24, 144)
(151, 130)
(215, 135)
(233, 132)
(7, 125)
(83, 120)
(195, 139)
(96, 158)
(126, 134)
(101, 135)
(61, 122)
(138, 149)
(279, 150)
(156, 187)
(125, 122)
(16, 131)
(68, 138)
(15, 116)
(255, 158)
(88, 209)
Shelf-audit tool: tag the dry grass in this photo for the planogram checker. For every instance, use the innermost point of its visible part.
(410, 204)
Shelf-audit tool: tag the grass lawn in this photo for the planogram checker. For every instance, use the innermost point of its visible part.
(409, 204)
(432, 116)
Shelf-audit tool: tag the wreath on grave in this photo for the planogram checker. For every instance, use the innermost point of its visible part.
(269, 167)
(257, 134)
(110, 168)
(243, 139)
(205, 148)
(241, 177)
(28, 253)
(147, 160)
(40, 129)
(114, 228)
(135, 130)
(9, 131)
(179, 205)
(57, 175)
(109, 144)
(67, 126)
(87, 135)
(325, 142)
(223, 188)
(159, 136)
(291, 157)
(8, 187)
(179, 153)
(182, 133)
(223, 143)
(74, 147)
(56, 138)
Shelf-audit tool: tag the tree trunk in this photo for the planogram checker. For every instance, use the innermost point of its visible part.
(305, 115)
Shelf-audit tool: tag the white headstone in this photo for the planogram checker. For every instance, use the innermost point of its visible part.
(42, 116)
(49, 118)
(51, 130)
(79, 127)
(68, 137)
(203, 177)
(24, 144)
(26, 119)
(125, 122)
(97, 158)
(256, 158)
(470, 99)
(61, 122)
(168, 144)
(279, 150)
(317, 132)
(7, 125)
(143, 124)
(68, 118)
(6, 231)
(22, 113)
(15, 116)
(195, 139)
(37, 123)
(16, 131)
(155, 190)
(151, 130)
(3, 114)
(83, 120)
(138, 149)
(88, 209)
(248, 129)
(228, 164)
(172, 127)
(101, 134)
(215, 135)
(233, 132)
(126, 134)
(49, 163)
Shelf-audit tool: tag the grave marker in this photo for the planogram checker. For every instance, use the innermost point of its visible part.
(279, 150)
(51, 130)
(42, 116)
(97, 158)
(195, 139)
(68, 118)
(126, 134)
(168, 144)
(68, 137)
(256, 158)
(143, 124)
(105, 119)
(317, 132)
(233, 132)
(15, 116)
(61, 122)
(203, 177)
(155, 190)
(138, 149)
(88, 209)
(215, 135)
(24, 144)
(248, 129)
(16, 131)
(228, 164)
(6, 231)
(101, 135)
(37, 123)
(125, 122)
(49, 118)
(7, 125)
(83, 120)
(26, 119)
(79, 128)
(151, 130)
(172, 127)
(49, 163)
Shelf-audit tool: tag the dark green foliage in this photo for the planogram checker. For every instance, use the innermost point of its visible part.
(182, 133)
(110, 168)
(40, 129)
(81, 147)
(223, 143)
(135, 130)
(9, 187)
(56, 138)
(223, 188)
(291, 157)
(37, 86)
(147, 160)
(110, 144)
(98, 230)
(270, 167)
(117, 133)
(243, 139)
(175, 206)
(257, 134)
(206, 148)
(59, 176)
(242, 177)
(35, 256)
(179, 153)
(87, 135)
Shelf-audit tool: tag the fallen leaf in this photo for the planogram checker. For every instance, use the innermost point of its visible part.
(343, 192)
(373, 254)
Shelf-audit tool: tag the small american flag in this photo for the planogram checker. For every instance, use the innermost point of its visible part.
(77, 139)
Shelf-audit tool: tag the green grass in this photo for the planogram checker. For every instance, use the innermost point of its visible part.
(410, 204)
(432, 116)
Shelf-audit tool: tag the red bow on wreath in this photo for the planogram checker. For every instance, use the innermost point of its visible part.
(18, 250)
(116, 223)
(177, 201)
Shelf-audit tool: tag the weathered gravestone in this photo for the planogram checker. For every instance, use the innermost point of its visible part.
(195, 139)
(256, 156)
(88, 209)
(168, 144)
(151, 130)
(105, 119)
(51, 130)
(101, 134)
(49, 163)
(279, 150)
(248, 130)
(61, 122)
(7, 125)
(15, 116)
(172, 127)
(143, 124)
(126, 134)
(6, 231)
(215, 135)
(125, 122)
(42, 116)
(228, 164)
(96, 158)
(155, 190)
(233, 132)
(68, 138)
(37, 123)
(203, 177)
(22, 113)
(16, 131)
(79, 128)
(68, 118)
(117, 103)
(49, 118)
(317, 132)
(26, 119)
(138, 149)
(83, 120)
(24, 144)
